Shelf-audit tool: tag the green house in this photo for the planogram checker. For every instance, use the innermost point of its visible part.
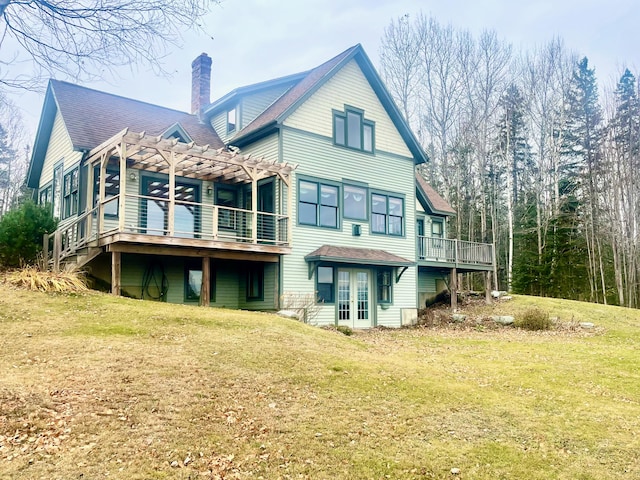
(299, 192)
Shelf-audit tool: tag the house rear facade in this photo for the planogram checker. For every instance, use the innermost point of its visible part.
(302, 188)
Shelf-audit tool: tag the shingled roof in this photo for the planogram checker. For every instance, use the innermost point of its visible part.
(306, 84)
(433, 198)
(91, 117)
(365, 256)
(290, 97)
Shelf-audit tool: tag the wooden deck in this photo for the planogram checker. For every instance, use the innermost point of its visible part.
(460, 254)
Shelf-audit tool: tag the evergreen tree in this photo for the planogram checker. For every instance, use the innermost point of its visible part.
(579, 180)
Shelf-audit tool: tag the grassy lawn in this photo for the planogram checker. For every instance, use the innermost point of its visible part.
(93, 386)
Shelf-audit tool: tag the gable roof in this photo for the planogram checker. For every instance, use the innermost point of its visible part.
(434, 201)
(310, 82)
(92, 117)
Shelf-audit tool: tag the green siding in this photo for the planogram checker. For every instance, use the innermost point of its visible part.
(254, 105)
(319, 157)
(60, 147)
(427, 281)
(349, 86)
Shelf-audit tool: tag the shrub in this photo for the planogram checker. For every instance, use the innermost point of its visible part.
(534, 319)
(21, 232)
(345, 330)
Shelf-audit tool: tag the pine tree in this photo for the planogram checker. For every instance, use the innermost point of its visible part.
(579, 176)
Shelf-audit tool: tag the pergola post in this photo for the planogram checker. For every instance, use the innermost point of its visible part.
(172, 195)
(103, 178)
(123, 185)
(254, 206)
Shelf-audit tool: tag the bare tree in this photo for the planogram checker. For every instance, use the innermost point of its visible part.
(14, 154)
(82, 39)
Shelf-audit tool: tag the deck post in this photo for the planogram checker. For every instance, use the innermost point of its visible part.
(487, 287)
(45, 251)
(116, 272)
(57, 250)
(205, 288)
(453, 287)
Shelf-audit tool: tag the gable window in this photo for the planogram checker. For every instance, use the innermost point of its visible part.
(318, 204)
(70, 194)
(193, 285)
(354, 202)
(385, 286)
(325, 284)
(231, 120)
(351, 129)
(387, 214)
(255, 282)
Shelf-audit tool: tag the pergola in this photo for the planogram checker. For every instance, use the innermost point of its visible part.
(170, 156)
(174, 158)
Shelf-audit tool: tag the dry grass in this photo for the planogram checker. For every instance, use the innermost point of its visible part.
(99, 387)
(69, 280)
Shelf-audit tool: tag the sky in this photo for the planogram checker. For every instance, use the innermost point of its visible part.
(255, 40)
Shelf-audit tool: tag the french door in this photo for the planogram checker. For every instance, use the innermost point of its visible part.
(354, 298)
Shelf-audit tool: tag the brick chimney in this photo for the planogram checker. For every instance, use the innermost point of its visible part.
(200, 83)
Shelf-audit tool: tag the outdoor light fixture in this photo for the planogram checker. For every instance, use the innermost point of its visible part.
(132, 177)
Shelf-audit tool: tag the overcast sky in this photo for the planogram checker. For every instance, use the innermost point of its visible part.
(254, 40)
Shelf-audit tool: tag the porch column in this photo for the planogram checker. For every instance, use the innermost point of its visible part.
(101, 195)
(453, 286)
(172, 195)
(254, 207)
(90, 195)
(116, 271)
(487, 287)
(123, 186)
(205, 288)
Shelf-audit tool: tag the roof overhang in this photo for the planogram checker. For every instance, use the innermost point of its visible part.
(357, 256)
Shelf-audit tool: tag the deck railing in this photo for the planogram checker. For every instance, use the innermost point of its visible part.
(148, 215)
(455, 251)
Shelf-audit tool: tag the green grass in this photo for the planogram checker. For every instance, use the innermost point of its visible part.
(108, 387)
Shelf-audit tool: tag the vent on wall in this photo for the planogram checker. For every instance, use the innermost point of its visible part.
(355, 230)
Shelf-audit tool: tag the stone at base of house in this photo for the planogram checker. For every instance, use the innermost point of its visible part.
(289, 314)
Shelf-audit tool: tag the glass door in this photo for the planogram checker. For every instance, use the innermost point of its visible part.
(354, 298)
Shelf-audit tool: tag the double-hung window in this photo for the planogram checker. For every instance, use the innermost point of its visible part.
(70, 194)
(385, 286)
(351, 129)
(318, 204)
(45, 196)
(387, 214)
